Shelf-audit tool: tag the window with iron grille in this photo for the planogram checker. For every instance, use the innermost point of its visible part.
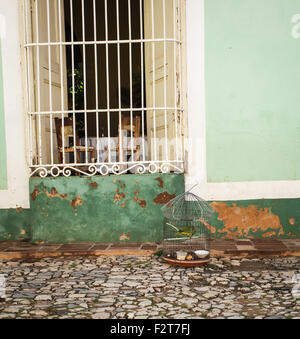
(104, 86)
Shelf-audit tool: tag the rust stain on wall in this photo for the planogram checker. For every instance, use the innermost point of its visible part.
(76, 202)
(140, 201)
(160, 182)
(239, 221)
(54, 193)
(164, 198)
(34, 194)
(93, 184)
(19, 209)
(125, 236)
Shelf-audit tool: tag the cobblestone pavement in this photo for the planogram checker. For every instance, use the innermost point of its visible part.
(146, 287)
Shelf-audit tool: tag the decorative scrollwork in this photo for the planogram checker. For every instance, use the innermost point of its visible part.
(106, 169)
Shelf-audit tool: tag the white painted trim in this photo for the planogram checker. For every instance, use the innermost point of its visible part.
(196, 151)
(196, 143)
(17, 194)
(245, 190)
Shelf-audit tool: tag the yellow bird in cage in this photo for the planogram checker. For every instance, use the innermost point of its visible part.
(188, 231)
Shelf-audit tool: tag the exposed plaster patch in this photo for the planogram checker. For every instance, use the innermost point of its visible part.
(125, 236)
(292, 221)
(160, 182)
(54, 193)
(239, 221)
(76, 202)
(269, 234)
(93, 184)
(164, 198)
(140, 201)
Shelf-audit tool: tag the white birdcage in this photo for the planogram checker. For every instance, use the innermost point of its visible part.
(186, 233)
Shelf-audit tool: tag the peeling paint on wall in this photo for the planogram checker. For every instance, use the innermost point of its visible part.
(160, 182)
(93, 184)
(125, 236)
(34, 194)
(54, 193)
(118, 196)
(292, 221)
(140, 201)
(76, 202)
(242, 221)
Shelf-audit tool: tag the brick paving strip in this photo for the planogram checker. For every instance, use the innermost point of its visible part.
(10, 250)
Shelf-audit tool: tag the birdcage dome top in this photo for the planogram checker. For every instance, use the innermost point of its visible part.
(187, 206)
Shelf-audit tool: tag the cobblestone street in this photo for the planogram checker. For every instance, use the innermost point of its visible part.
(145, 287)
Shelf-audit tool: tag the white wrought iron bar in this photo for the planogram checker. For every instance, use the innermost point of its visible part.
(84, 78)
(38, 81)
(153, 79)
(101, 42)
(96, 77)
(175, 78)
(130, 76)
(134, 109)
(119, 84)
(107, 81)
(61, 79)
(50, 81)
(142, 77)
(73, 82)
(165, 80)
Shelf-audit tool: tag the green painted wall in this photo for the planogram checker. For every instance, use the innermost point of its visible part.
(15, 224)
(107, 209)
(101, 209)
(3, 169)
(252, 90)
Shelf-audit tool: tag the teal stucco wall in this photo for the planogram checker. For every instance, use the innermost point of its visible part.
(252, 53)
(128, 208)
